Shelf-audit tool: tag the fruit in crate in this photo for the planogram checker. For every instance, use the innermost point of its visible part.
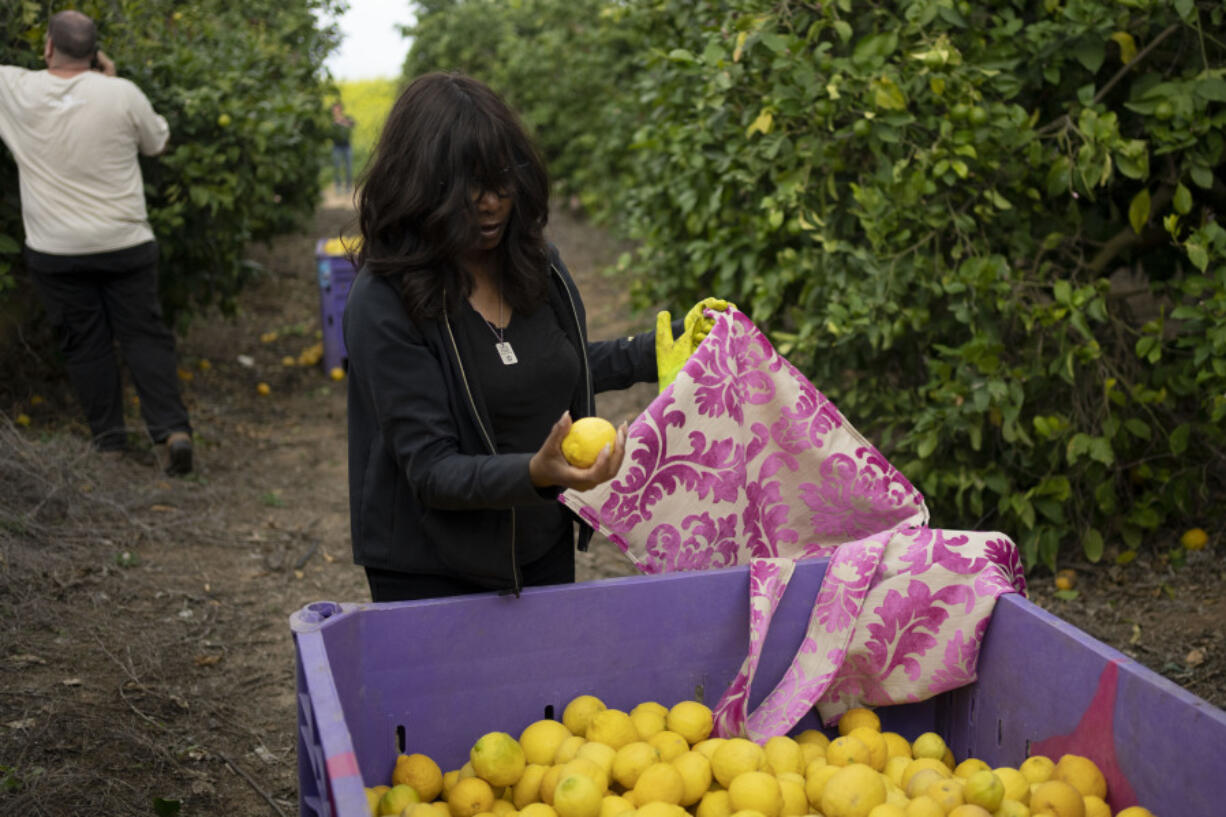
(656, 761)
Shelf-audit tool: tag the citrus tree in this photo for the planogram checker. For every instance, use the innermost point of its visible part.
(241, 86)
(990, 231)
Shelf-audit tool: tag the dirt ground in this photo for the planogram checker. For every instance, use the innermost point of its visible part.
(145, 651)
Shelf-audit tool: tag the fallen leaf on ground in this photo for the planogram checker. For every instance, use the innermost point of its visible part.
(1195, 658)
(207, 660)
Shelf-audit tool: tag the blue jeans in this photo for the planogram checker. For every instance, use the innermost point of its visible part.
(342, 160)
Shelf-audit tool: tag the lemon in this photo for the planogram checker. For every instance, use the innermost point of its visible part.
(813, 736)
(857, 717)
(853, 791)
(810, 752)
(395, 799)
(696, 778)
(1096, 806)
(659, 781)
(1057, 797)
(874, 741)
(896, 745)
(587, 436)
(502, 807)
(816, 778)
(969, 766)
(658, 808)
(947, 792)
(969, 810)
(449, 780)
(984, 789)
(783, 754)
(372, 800)
(795, 803)
(612, 727)
(426, 810)
(887, 810)
(920, 764)
(337, 373)
(497, 758)
(540, 740)
(612, 805)
(580, 710)
(756, 791)
(1194, 539)
(919, 782)
(590, 768)
(847, 749)
(924, 806)
(263, 389)
(708, 746)
(602, 754)
(948, 759)
(631, 760)
(691, 720)
(669, 744)
(648, 722)
(537, 810)
(1037, 769)
(1081, 773)
(735, 756)
(715, 803)
(651, 706)
(528, 788)
(469, 797)
(1135, 811)
(894, 768)
(1017, 787)
(549, 782)
(1066, 579)
(576, 795)
(568, 750)
(929, 744)
(420, 772)
(1012, 808)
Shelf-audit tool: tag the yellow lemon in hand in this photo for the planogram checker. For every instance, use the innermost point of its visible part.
(587, 436)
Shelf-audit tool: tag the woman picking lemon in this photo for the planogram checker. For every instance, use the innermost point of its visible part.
(469, 357)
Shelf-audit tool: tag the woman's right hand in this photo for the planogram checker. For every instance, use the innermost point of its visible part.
(549, 467)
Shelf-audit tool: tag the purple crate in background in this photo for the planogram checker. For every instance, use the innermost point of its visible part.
(433, 676)
(335, 274)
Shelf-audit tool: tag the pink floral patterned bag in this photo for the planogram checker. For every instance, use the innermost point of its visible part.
(743, 461)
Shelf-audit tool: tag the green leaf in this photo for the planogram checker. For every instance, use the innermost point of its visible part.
(1137, 428)
(1090, 52)
(1092, 545)
(1198, 255)
(843, 30)
(1182, 200)
(1212, 89)
(1202, 176)
(681, 55)
(1138, 211)
(1179, 439)
(927, 444)
(8, 246)
(1066, 595)
(1100, 451)
(875, 48)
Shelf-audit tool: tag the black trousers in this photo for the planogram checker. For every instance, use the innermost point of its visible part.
(94, 301)
(557, 566)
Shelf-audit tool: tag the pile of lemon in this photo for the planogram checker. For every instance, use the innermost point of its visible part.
(654, 761)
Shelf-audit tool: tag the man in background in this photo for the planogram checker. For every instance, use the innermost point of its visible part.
(342, 150)
(75, 131)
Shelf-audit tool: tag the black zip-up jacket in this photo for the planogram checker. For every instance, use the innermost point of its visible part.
(428, 492)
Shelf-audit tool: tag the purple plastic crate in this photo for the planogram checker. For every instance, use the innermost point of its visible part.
(433, 676)
(335, 274)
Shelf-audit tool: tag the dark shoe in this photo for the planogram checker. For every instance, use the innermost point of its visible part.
(179, 451)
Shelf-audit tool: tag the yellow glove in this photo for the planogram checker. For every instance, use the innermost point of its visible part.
(672, 354)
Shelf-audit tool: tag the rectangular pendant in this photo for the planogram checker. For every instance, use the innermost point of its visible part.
(506, 353)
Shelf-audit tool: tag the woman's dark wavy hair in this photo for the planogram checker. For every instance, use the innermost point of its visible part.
(448, 134)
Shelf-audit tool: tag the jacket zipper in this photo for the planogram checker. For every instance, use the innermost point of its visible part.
(489, 441)
(574, 311)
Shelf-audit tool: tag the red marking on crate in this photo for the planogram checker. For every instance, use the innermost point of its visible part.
(344, 765)
(1094, 737)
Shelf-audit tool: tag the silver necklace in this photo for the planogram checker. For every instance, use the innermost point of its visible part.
(504, 349)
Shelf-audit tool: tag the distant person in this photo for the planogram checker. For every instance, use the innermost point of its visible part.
(75, 130)
(342, 150)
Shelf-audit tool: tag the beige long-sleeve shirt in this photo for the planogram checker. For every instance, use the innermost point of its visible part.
(76, 141)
